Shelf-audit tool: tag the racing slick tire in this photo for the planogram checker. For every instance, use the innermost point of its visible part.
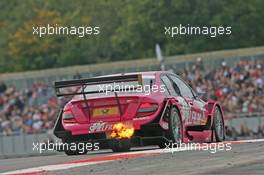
(72, 153)
(120, 145)
(78, 151)
(174, 133)
(218, 126)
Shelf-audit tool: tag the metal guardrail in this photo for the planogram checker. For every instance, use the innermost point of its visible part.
(136, 65)
(253, 127)
(179, 66)
(244, 115)
(22, 145)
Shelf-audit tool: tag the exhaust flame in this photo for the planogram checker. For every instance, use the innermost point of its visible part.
(121, 131)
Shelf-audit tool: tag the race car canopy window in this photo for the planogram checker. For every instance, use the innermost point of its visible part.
(184, 89)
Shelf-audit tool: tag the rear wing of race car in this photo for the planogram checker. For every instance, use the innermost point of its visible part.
(81, 84)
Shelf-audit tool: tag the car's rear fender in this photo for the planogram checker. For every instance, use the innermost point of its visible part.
(168, 103)
(210, 107)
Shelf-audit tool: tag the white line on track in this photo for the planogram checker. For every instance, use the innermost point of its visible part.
(103, 159)
(49, 168)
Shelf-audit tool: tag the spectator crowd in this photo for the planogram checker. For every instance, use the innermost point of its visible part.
(238, 88)
(32, 110)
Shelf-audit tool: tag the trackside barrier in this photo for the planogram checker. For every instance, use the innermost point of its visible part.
(210, 59)
(250, 126)
(22, 145)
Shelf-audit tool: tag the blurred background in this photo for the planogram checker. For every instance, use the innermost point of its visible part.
(228, 68)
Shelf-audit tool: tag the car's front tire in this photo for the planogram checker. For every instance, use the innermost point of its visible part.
(218, 125)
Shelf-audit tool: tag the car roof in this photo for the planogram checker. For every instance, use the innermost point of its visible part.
(133, 73)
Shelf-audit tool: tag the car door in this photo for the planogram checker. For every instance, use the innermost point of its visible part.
(197, 116)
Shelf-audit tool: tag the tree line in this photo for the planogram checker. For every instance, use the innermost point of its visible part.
(129, 29)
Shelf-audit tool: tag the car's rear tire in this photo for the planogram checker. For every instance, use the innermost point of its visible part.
(218, 125)
(174, 133)
(70, 152)
(175, 126)
(120, 145)
(76, 152)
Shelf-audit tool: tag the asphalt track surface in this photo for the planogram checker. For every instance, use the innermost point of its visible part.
(245, 158)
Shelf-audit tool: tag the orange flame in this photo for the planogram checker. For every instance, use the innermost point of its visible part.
(121, 131)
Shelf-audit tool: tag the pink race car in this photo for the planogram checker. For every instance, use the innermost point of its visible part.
(147, 108)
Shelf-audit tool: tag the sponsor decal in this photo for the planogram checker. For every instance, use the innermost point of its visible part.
(196, 116)
(97, 112)
(203, 121)
(100, 126)
(185, 110)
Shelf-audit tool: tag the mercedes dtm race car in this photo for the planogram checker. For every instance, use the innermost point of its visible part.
(136, 109)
